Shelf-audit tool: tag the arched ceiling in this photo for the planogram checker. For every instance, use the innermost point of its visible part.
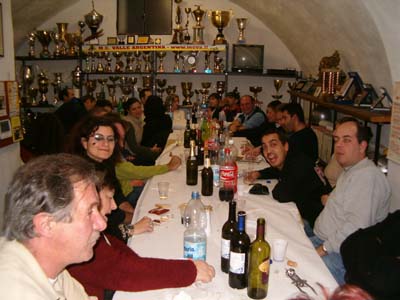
(310, 29)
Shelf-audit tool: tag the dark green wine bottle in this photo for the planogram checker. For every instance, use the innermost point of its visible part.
(228, 229)
(192, 172)
(259, 257)
(238, 255)
(186, 135)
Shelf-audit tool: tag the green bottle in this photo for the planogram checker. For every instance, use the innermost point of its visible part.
(259, 257)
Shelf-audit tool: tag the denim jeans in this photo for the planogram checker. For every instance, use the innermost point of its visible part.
(332, 260)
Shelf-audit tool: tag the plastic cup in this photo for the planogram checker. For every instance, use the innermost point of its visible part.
(163, 189)
(279, 247)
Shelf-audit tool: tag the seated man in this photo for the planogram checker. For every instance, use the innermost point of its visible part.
(360, 198)
(379, 275)
(302, 138)
(215, 112)
(51, 220)
(117, 267)
(299, 180)
(251, 122)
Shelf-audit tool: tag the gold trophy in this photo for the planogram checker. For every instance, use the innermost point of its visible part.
(171, 89)
(177, 37)
(241, 23)
(62, 31)
(31, 43)
(220, 19)
(57, 86)
(198, 29)
(255, 90)
(138, 67)
(147, 82)
(77, 77)
(93, 20)
(111, 92)
(28, 77)
(187, 92)
(102, 94)
(90, 86)
(161, 55)
(277, 84)
(161, 83)
(44, 37)
(43, 84)
(204, 93)
(186, 37)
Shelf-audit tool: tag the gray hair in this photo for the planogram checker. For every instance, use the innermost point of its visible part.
(44, 184)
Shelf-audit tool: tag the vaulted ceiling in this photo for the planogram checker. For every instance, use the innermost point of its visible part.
(310, 29)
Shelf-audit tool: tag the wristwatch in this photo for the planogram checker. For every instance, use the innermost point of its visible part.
(126, 230)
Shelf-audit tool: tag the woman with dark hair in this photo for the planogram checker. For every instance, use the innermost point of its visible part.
(145, 156)
(100, 140)
(158, 125)
(133, 113)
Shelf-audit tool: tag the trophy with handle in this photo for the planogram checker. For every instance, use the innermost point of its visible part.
(220, 19)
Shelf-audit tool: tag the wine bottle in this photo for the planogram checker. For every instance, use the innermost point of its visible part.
(191, 166)
(228, 229)
(238, 255)
(259, 257)
(186, 135)
(207, 179)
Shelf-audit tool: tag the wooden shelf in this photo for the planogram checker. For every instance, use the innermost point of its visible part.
(365, 114)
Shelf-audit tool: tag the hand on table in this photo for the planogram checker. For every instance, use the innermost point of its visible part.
(253, 176)
(205, 272)
(137, 182)
(155, 148)
(145, 224)
(174, 163)
(252, 152)
(320, 250)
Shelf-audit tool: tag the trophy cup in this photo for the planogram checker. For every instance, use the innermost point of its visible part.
(57, 40)
(71, 39)
(90, 86)
(31, 43)
(100, 66)
(102, 94)
(186, 37)
(147, 61)
(220, 19)
(129, 62)
(161, 84)
(177, 58)
(77, 77)
(220, 88)
(147, 82)
(241, 23)
(108, 68)
(62, 30)
(27, 79)
(44, 38)
(133, 81)
(32, 94)
(111, 92)
(57, 86)
(138, 67)
(177, 37)
(93, 21)
(218, 66)
(277, 84)
(119, 65)
(198, 28)
(43, 84)
(171, 89)
(114, 79)
(187, 92)
(161, 55)
(255, 90)
(204, 94)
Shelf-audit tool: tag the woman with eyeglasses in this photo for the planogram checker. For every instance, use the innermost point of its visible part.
(96, 138)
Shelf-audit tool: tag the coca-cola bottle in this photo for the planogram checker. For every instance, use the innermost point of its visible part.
(228, 172)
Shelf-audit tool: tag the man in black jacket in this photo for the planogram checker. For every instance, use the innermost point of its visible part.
(371, 257)
(299, 180)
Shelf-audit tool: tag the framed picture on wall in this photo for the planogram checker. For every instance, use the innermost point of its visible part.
(1, 31)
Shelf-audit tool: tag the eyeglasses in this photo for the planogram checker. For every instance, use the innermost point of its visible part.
(101, 138)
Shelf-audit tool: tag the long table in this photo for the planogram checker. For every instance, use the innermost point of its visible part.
(283, 221)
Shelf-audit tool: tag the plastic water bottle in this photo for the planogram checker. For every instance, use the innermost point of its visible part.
(194, 237)
(233, 148)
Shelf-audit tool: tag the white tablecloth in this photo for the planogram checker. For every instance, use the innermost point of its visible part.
(283, 221)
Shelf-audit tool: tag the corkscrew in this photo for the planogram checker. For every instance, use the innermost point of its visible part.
(298, 282)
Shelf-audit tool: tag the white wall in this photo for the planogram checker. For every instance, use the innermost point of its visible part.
(9, 156)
